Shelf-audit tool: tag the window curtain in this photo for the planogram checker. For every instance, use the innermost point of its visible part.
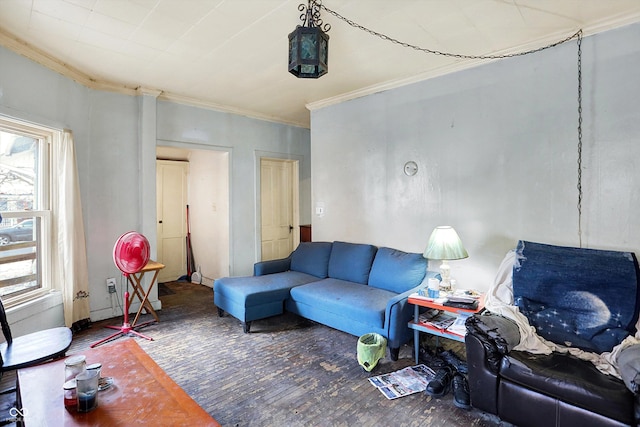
(69, 269)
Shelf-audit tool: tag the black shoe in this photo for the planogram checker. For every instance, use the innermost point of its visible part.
(440, 384)
(432, 361)
(452, 359)
(461, 392)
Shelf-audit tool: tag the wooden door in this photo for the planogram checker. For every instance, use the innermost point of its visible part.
(277, 208)
(171, 187)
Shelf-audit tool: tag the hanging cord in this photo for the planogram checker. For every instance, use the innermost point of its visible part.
(577, 35)
(437, 52)
(579, 186)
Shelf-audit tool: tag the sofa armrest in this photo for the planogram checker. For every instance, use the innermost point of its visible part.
(397, 315)
(498, 335)
(272, 266)
(488, 339)
(399, 312)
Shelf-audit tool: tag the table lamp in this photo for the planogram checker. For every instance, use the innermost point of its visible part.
(444, 244)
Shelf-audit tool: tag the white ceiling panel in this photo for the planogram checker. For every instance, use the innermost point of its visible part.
(231, 54)
(126, 11)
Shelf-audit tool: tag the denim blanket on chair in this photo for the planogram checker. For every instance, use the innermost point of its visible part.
(577, 297)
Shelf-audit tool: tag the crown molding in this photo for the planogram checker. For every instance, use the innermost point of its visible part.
(195, 102)
(31, 52)
(598, 27)
(39, 56)
(145, 91)
(431, 74)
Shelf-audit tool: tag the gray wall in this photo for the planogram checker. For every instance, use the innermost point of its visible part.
(246, 139)
(114, 176)
(496, 147)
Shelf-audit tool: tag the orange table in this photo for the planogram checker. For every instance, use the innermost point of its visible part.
(138, 290)
(141, 394)
(417, 326)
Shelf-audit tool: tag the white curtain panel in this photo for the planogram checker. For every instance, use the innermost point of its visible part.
(70, 272)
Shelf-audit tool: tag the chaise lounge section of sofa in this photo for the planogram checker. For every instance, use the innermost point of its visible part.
(352, 287)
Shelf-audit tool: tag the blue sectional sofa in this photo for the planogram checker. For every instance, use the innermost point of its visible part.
(355, 288)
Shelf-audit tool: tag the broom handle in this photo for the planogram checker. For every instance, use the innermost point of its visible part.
(189, 252)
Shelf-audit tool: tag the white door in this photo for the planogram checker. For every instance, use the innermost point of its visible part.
(277, 195)
(171, 187)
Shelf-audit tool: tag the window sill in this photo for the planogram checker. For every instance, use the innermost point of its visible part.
(39, 313)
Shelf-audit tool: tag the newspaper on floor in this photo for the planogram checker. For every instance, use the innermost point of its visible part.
(412, 379)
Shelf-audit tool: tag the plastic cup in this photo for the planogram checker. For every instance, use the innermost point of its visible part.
(87, 390)
(434, 288)
(95, 367)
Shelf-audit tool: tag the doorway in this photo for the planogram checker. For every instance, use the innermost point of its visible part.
(207, 186)
(278, 207)
(171, 192)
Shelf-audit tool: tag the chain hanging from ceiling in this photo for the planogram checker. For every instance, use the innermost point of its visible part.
(310, 16)
(577, 35)
(579, 186)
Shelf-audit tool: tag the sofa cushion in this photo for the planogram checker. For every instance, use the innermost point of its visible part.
(345, 299)
(579, 297)
(570, 380)
(397, 271)
(351, 261)
(256, 290)
(312, 258)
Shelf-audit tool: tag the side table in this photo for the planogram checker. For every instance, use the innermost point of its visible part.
(417, 326)
(135, 280)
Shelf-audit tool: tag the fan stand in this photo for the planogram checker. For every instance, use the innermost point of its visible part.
(126, 329)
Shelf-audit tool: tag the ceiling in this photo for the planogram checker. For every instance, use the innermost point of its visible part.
(231, 55)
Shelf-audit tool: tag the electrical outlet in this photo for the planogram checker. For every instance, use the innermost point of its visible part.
(111, 285)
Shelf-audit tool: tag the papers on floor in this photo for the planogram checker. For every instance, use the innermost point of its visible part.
(412, 379)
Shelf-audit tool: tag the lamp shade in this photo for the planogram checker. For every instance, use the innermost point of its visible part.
(308, 52)
(445, 244)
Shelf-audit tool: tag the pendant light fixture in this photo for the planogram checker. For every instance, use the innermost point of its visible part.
(309, 43)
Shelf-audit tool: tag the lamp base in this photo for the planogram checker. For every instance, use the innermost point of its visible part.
(445, 274)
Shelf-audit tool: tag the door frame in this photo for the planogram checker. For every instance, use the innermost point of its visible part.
(192, 146)
(184, 164)
(295, 186)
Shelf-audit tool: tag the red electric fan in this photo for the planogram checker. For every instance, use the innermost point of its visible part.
(130, 254)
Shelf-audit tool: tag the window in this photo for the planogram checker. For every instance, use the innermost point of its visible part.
(25, 229)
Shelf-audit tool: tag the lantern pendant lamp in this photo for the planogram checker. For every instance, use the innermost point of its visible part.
(309, 43)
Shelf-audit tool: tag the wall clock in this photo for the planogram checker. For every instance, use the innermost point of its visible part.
(410, 168)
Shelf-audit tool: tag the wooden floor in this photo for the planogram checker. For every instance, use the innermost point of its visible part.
(286, 372)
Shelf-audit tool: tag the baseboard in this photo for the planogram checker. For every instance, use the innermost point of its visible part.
(108, 313)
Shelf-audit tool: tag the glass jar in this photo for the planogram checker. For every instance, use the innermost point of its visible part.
(73, 366)
(70, 394)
